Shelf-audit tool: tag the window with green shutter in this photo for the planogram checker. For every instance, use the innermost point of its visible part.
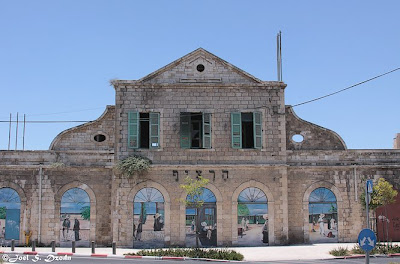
(133, 129)
(143, 130)
(195, 130)
(154, 130)
(257, 130)
(246, 130)
(236, 126)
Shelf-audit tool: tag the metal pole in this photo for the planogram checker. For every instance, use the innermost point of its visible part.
(114, 248)
(93, 250)
(367, 207)
(9, 134)
(16, 134)
(53, 246)
(12, 244)
(73, 246)
(23, 136)
(33, 245)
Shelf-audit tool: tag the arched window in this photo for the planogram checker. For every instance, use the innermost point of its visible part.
(201, 218)
(252, 217)
(148, 218)
(322, 209)
(10, 205)
(75, 215)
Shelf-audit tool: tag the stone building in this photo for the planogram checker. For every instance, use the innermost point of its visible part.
(273, 177)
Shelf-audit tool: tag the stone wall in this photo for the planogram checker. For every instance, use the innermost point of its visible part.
(83, 137)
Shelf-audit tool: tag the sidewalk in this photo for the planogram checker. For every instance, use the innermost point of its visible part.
(292, 252)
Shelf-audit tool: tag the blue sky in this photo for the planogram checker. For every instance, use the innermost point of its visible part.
(58, 56)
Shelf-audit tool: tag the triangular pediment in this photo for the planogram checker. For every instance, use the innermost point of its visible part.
(200, 66)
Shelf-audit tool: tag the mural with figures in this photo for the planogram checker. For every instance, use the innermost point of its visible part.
(252, 220)
(10, 205)
(148, 218)
(202, 220)
(322, 218)
(75, 217)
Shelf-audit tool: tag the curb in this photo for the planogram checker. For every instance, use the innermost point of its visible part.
(114, 256)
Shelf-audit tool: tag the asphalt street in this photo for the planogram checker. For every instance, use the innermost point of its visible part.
(20, 258)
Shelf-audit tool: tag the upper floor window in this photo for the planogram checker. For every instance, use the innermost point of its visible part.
(195, 130)
(246, 130)
(143, 130)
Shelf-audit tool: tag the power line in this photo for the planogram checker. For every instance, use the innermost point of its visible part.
(42, 122)
(347, 88)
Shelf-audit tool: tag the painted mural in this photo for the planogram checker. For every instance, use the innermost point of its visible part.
(322, 209)
(252, 220)
(148, 218)
(10, 206)
(202, 220)
(75, 217)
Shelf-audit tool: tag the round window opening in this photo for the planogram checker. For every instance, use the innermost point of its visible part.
(99, 138)
(298, 138)
(200, 67)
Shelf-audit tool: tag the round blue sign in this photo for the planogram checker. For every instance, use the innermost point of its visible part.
(367, 239)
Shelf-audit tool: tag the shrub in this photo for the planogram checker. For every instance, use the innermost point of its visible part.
(339, 252)
(133, 165)
(192, 253)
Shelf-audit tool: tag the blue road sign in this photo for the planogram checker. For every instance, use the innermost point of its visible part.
(367, 239)
(369, 186)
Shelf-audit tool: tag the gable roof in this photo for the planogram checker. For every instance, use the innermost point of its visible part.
(206, 55)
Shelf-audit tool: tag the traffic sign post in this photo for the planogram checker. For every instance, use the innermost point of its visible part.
(367, 237)
(367, 242)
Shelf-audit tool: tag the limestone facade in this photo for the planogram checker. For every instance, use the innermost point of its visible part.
(287, 170)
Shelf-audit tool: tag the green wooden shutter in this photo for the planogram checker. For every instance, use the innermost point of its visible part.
(154, 130)
(185, 130)
(133, 129)
(206, 130)
(257, 130)
(236, 125)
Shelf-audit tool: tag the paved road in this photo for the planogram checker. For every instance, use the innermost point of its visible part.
(23, 259)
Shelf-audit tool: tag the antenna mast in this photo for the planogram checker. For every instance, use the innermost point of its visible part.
(279, 55)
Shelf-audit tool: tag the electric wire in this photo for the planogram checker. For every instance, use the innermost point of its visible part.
(347, 88)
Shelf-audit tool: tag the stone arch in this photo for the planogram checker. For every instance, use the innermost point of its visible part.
(271, 208)
(339, 202)
(182, 212)
(167, 208)
(92, 197)
(23, 212)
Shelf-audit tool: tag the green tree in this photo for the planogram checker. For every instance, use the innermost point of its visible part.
(85, 212)
(243, 210)
(3, 212)
(382, 195)
(194, 190)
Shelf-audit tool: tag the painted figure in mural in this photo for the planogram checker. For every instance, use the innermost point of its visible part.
(76, 229)
(139, 231)
(265, 232)
(243, 224)
(192, 225)
(247, 224)
(66, 225)
(321, 224)
(2, 235)
(333, 224)
(134, 230)
(158, 222)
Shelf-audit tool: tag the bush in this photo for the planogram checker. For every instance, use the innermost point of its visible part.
(340, 252)
(133, 165)
(192, 253)
(383, 249)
